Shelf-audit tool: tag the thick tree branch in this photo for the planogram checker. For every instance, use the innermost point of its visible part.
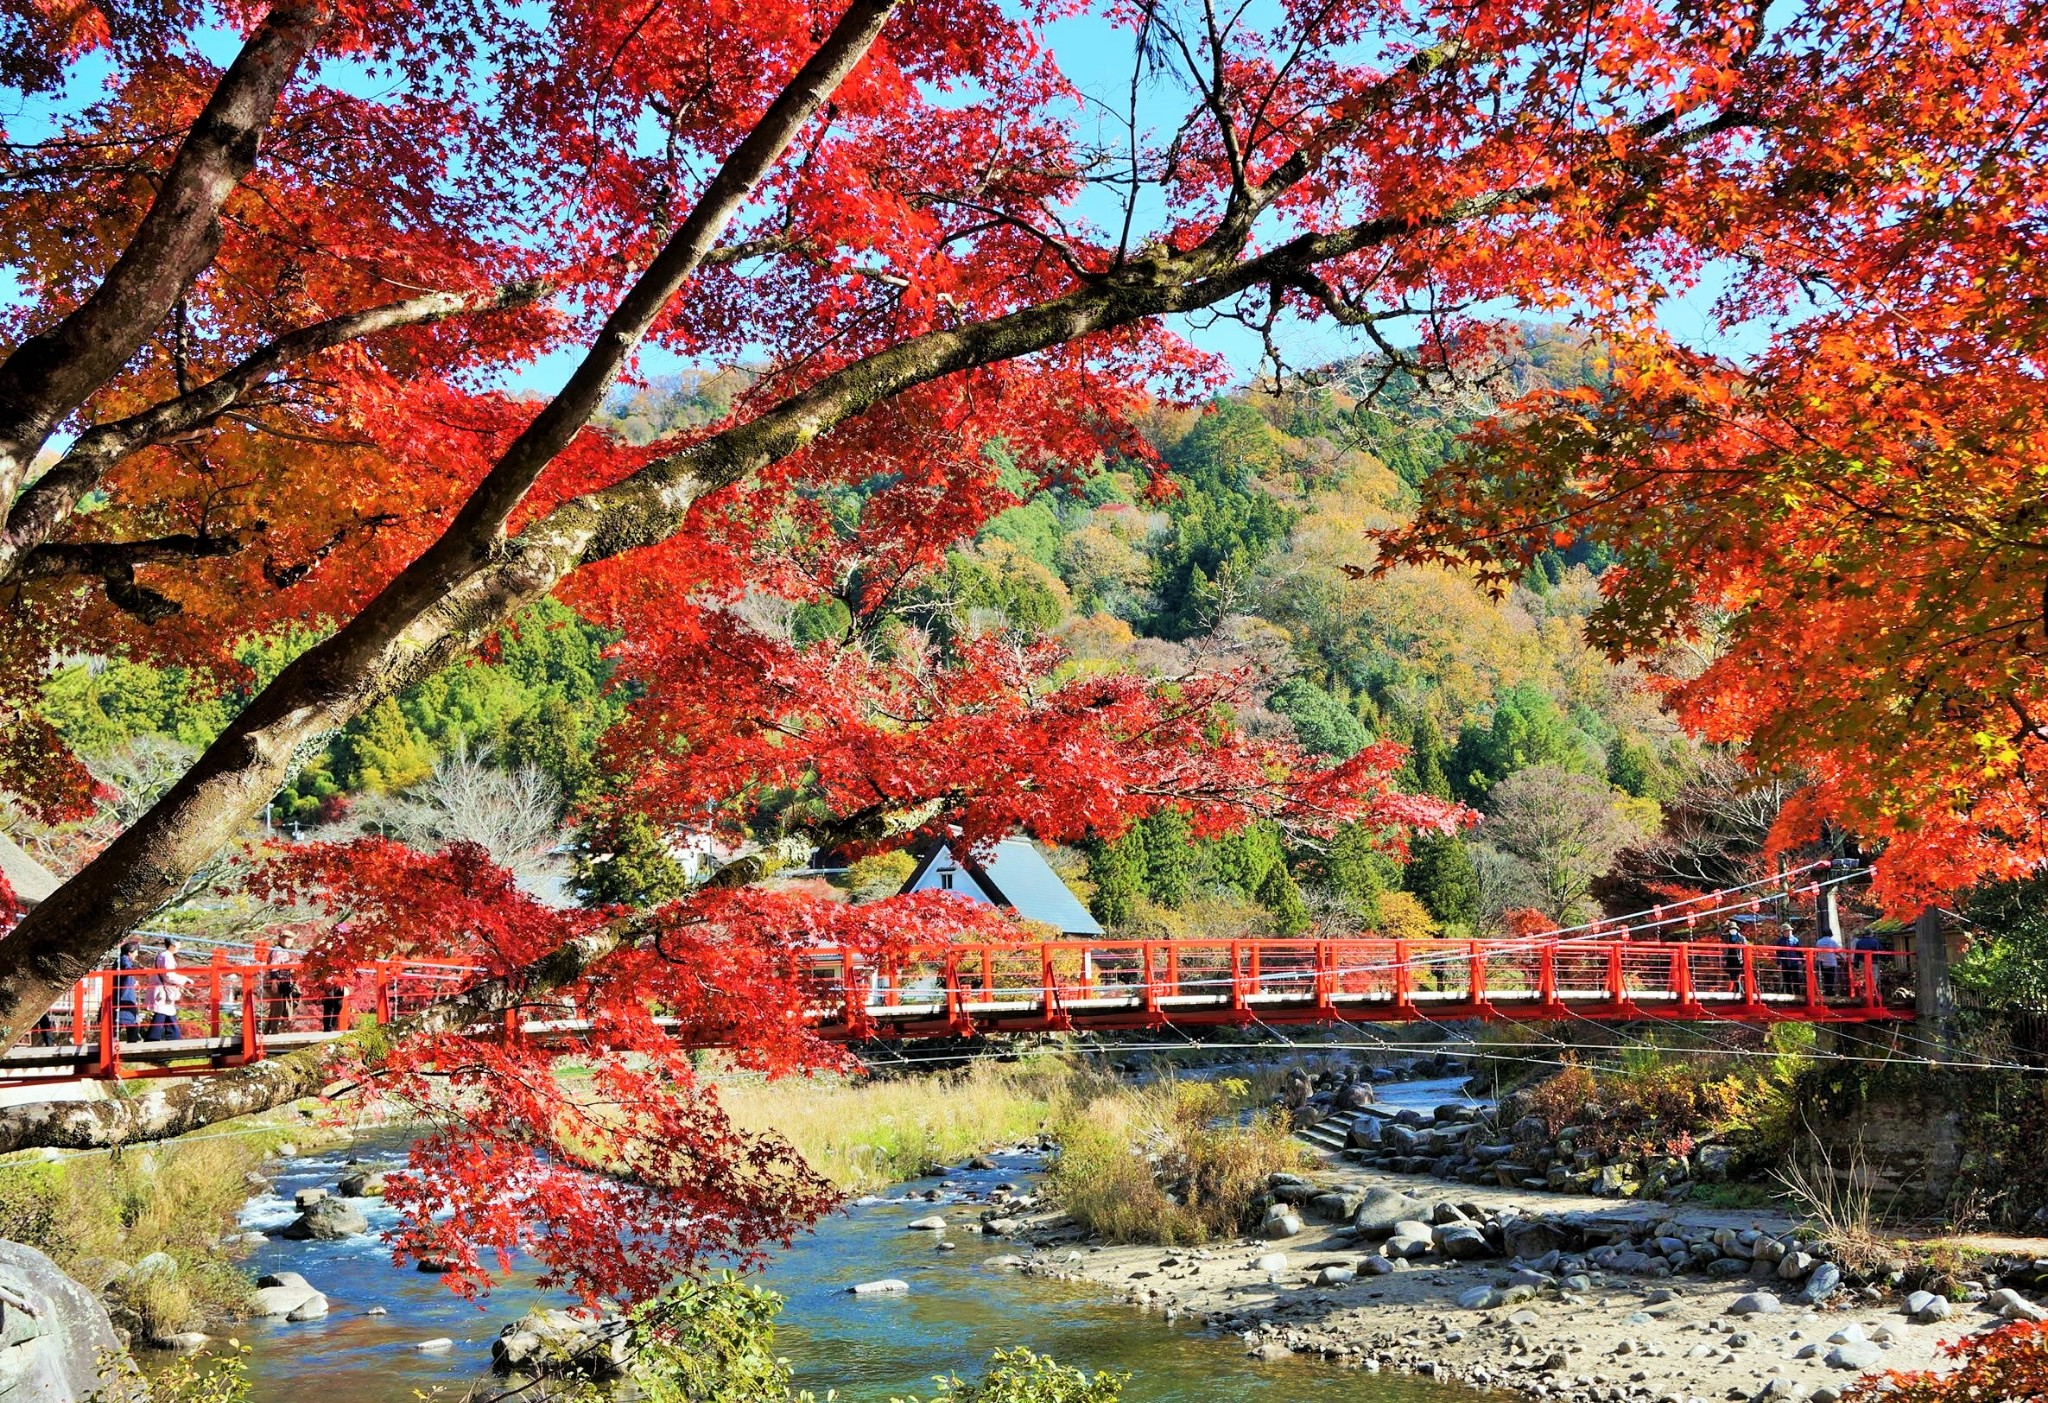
(53, 372)
(114, 562)
(443, 601)
(47, 503)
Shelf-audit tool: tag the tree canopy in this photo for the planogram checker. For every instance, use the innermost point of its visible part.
(260, 429)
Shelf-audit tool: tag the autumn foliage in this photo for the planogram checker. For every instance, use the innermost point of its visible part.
(269, 317)
(2009, 1364)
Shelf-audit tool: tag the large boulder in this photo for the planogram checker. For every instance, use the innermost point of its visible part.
(564, 1342)
(328, 1219)
(1381, 1209)
(54, 1334)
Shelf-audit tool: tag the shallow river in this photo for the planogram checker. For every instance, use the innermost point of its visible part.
(869, 1349)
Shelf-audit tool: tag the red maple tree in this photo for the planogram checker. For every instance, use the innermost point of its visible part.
(266, 313)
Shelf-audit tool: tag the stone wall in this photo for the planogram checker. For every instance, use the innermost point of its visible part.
(1897, 1138)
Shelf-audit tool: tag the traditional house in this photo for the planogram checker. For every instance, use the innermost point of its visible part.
(1015, 874)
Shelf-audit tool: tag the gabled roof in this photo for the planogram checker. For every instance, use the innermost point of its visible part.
(1016, 875)
(30, 880)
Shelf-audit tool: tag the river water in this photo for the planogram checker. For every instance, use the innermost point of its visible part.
(870, 1349)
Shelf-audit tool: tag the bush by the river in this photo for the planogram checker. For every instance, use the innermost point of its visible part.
(1170, 1163)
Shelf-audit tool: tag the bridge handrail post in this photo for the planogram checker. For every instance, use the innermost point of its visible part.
(1871, 1002)
(215, 977)
(1238, 966)
(1046, 992)
(1403, 977)
(1617, 979)
(1814, 1003)
(1326, 976)
(1173, 966)
(1546, 974)
(1475, 974)
(1749, 989)
(1681, 974)
(252, 1032)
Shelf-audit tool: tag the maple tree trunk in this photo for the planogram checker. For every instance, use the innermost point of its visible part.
(53, 372)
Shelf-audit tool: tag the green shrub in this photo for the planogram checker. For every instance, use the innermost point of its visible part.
(1019, 1376)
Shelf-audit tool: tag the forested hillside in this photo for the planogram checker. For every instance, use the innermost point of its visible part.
(1248, 545)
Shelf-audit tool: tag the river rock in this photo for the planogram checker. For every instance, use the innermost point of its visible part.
(556, 1342)
(1007, 1259)
(1281, 1221)
(1412, 1238)
(1821, 1284)
(1531, 1239)
(1335, 1276)
(1479, 1298)
(1273, 1263)
(1461, 1242)
(361, 1184)
(888, 1286)
(313, 1307)
(1756, 1303)
(1381, 1210)
(1927, 1308)
(327, 1219)
(284, 1278)
(54, 1333)
(935, 1223)
(1376, 1265)
(306, 1198)
(1859, 1355)
(436, 1345)
(279, 1301)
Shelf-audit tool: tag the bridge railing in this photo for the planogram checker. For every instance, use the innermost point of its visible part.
(229, 1013)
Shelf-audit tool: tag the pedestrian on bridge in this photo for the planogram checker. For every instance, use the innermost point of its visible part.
(1731, 957)
(1791, 963)
(281, 986)
(165, 989)
(128, 991)
(1829, 957)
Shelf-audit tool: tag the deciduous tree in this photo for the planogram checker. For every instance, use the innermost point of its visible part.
(265, 314)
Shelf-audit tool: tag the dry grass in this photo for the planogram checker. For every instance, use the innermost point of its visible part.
(866, 1135)
(89, 1212)
(1168, 1163)
(1841, 1208)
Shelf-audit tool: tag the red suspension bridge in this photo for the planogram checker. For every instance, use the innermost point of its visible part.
(233, 1014)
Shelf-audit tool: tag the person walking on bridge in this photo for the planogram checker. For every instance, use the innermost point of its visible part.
(1791, 964)
(165, 989)
(1731, 957)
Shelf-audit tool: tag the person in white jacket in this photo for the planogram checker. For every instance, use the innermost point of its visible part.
(165, 989)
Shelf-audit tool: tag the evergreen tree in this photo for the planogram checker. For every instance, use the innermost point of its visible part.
(1527, 729)
(1118, 872)
(383, 752)
(1634, 768)
(1240, 859)
(1441, 874)
(1321, 722)
(1169, 855)
(1357, 869)
(632, 866)
(1282, 898)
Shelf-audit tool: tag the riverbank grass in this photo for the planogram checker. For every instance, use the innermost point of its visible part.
(110, 1220)
(866, 1134)
(1174, 1163)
